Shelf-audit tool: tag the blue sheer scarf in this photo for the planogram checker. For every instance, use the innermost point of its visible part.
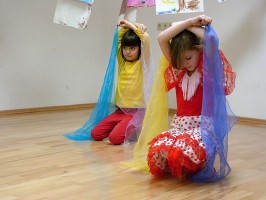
(215, 109)
(105, 104)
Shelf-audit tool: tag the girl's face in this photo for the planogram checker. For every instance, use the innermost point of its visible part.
(131, 53)
(190, 59)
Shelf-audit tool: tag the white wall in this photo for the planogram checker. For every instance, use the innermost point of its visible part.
(44, 64)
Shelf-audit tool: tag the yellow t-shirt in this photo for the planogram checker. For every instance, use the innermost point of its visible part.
(129, 92)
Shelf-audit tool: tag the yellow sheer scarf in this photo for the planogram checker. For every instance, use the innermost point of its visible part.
(155, 120)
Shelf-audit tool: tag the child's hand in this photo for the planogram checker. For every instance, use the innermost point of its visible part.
(201, 20)
(141, 27)
(123, 23)
(129, 25)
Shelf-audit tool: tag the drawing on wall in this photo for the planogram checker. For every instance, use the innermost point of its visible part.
(140, 3)
(87, 1)
(178, 6)
(73, 13)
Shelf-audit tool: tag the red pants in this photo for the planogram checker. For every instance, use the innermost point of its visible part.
(114, 126)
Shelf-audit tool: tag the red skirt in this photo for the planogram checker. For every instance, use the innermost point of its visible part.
(177, 151)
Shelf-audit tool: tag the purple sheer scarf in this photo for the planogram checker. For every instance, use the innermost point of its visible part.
(135, 125)
(215, 109)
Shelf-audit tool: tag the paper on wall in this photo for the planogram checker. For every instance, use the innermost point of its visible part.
(140, 3)
(178, 6)
(87, 1)
(73, 13)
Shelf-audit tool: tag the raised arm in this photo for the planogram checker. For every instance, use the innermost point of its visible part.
(192, 24)
(140, 30)
(128, 25)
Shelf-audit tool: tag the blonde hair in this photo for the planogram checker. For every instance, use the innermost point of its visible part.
(183, 41)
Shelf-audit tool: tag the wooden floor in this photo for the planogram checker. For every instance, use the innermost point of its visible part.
(37, 163)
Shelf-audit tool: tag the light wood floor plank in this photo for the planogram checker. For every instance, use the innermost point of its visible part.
(38, 163)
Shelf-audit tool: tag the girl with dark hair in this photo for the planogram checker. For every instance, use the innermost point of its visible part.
(129, 92)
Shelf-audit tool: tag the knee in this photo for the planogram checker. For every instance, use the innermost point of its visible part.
(95, 135)
(116, 140)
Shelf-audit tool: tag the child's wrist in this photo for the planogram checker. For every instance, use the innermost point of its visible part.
(189, 22)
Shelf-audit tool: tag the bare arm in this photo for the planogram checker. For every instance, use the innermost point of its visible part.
(193, 24)
(197, 30)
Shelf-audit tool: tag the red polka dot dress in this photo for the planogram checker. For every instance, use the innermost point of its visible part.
(180, 150)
